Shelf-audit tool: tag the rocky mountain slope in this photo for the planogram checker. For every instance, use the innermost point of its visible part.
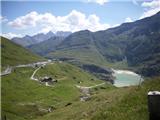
(46, 46)
(137, 42)
(40, 37)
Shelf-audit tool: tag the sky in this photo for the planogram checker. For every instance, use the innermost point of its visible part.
(29, 17)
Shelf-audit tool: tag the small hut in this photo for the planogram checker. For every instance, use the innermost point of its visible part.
(48, 80)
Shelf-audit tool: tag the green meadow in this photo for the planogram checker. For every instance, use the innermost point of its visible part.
(26, 99)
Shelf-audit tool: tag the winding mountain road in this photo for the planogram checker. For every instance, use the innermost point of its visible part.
(9, 69)
(40, 64)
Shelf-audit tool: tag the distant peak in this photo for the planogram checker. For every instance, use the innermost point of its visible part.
(50, 33)
(63, 32)
(27, 36)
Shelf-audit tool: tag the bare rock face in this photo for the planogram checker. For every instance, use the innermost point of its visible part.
(102, 73)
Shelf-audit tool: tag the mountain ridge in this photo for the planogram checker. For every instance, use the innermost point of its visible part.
(117, 44)
(37, 38)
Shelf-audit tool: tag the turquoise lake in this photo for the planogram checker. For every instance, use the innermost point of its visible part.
(126, 78)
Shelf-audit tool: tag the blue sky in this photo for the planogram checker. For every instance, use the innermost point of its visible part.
(30, 17)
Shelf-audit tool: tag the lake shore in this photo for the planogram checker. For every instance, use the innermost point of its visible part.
(124, 72)
(125, 78)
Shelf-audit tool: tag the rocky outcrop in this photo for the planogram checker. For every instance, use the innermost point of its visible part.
(101, 73)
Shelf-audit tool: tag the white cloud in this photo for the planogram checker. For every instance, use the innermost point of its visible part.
(150, 12)
(151, 8)
(152, 4)
(25, 21)
(11, 35)
(3, 19)
(116, 25)
(100, 2)
(74, 21)
(128, 19)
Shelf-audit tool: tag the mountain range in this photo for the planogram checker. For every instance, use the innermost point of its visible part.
(40, 37)
(136, 44)
(73, 92)
(46, 46)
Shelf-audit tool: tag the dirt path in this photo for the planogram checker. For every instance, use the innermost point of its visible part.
(86, 91)
(7, 71)
(83, 87)
(32, 76)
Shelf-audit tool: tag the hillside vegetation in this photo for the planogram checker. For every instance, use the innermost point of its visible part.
(26, 99)
(13, 54)
(85, 55)
(110, 104)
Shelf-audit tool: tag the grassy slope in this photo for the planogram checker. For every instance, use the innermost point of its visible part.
(110, 104)
(84, 55)
(132, 106)
(13, 54)
(24, 99)
(68, 73)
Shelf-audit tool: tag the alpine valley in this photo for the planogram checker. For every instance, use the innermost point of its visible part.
(134, 45)
(70, 76)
